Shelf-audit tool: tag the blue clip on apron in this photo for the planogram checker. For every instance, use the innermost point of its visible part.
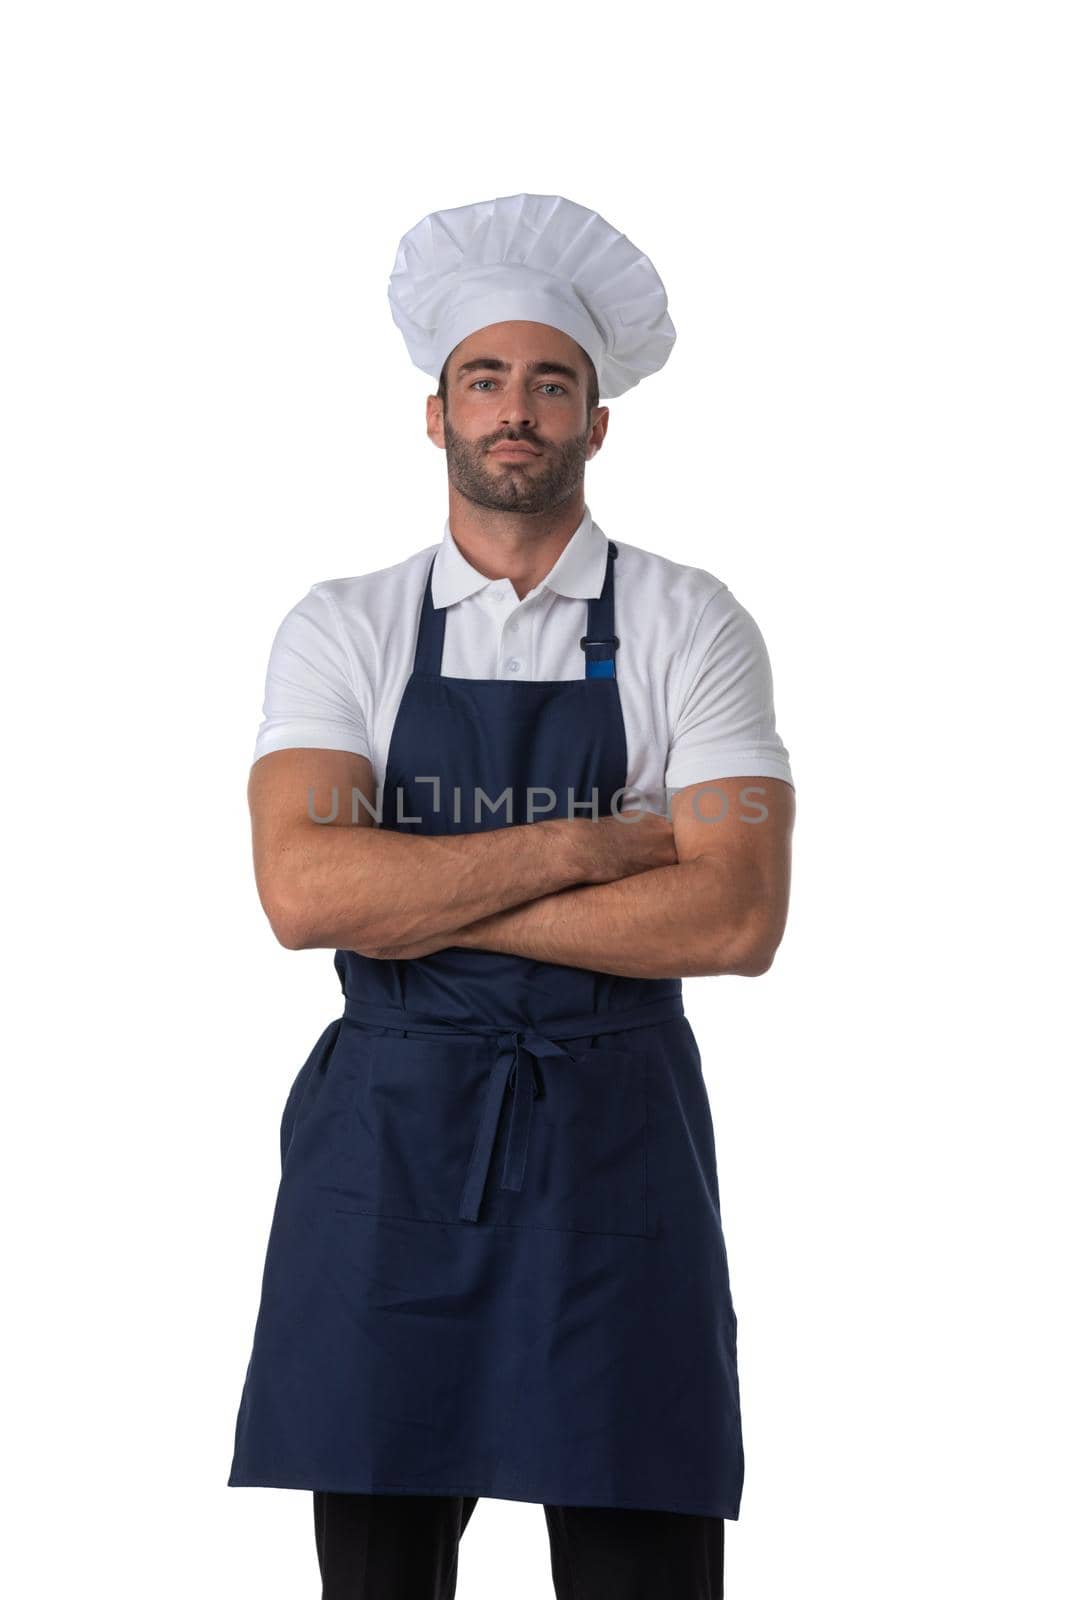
(496, 1265)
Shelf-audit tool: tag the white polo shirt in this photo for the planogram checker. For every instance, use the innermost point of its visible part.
(692, 667)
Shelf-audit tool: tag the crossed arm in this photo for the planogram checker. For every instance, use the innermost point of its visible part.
(703, 892)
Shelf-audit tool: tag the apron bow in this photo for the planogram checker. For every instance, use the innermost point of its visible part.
(516, 1069)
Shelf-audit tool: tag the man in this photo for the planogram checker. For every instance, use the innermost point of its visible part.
(522, 782)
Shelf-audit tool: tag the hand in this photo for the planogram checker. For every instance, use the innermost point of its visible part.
(615, 849)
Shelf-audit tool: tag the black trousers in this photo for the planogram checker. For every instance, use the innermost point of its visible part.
(406, 1547)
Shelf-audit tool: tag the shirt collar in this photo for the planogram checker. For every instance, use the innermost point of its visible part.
(578, 572)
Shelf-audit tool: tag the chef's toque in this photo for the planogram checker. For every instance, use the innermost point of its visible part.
(531, 258)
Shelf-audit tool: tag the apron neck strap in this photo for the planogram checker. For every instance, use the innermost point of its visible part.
(600, 639)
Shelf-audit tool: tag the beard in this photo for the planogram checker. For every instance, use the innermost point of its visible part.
(546, 481)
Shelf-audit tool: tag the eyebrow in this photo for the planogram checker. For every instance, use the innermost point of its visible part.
(539, 368)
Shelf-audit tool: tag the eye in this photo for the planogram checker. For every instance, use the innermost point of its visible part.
(551, 384)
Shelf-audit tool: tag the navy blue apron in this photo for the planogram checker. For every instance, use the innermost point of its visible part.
(496, 1265)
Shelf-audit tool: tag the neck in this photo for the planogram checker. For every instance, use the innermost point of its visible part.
(511, 544)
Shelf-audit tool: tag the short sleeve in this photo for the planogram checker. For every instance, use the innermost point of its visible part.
(310, 699)
(723, 725)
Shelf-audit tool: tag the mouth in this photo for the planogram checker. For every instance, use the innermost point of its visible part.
(513, 450)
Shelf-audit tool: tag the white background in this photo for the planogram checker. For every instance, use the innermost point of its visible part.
(858, 212)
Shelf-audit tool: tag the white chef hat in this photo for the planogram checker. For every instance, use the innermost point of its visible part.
(531, 258)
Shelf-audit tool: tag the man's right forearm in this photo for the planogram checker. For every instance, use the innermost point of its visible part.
(338, 887)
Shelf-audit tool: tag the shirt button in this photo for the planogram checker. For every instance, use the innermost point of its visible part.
(513, 627)
(514, 664)
(498, 594)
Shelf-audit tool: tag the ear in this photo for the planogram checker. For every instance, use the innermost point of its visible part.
(598, 429)
(435, 420)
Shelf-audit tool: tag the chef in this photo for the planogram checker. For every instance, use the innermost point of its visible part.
(522, 782)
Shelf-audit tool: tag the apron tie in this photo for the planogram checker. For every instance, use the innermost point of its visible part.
(516, 1070)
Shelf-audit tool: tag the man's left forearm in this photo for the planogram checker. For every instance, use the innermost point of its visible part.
(700, 917)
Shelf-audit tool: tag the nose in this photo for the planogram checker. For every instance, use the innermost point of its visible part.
(515, 408)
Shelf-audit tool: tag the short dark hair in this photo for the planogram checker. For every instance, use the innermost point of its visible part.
(590, 375)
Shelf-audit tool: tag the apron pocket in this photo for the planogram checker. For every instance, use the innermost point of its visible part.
(408, 1144)
(587, 1163)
